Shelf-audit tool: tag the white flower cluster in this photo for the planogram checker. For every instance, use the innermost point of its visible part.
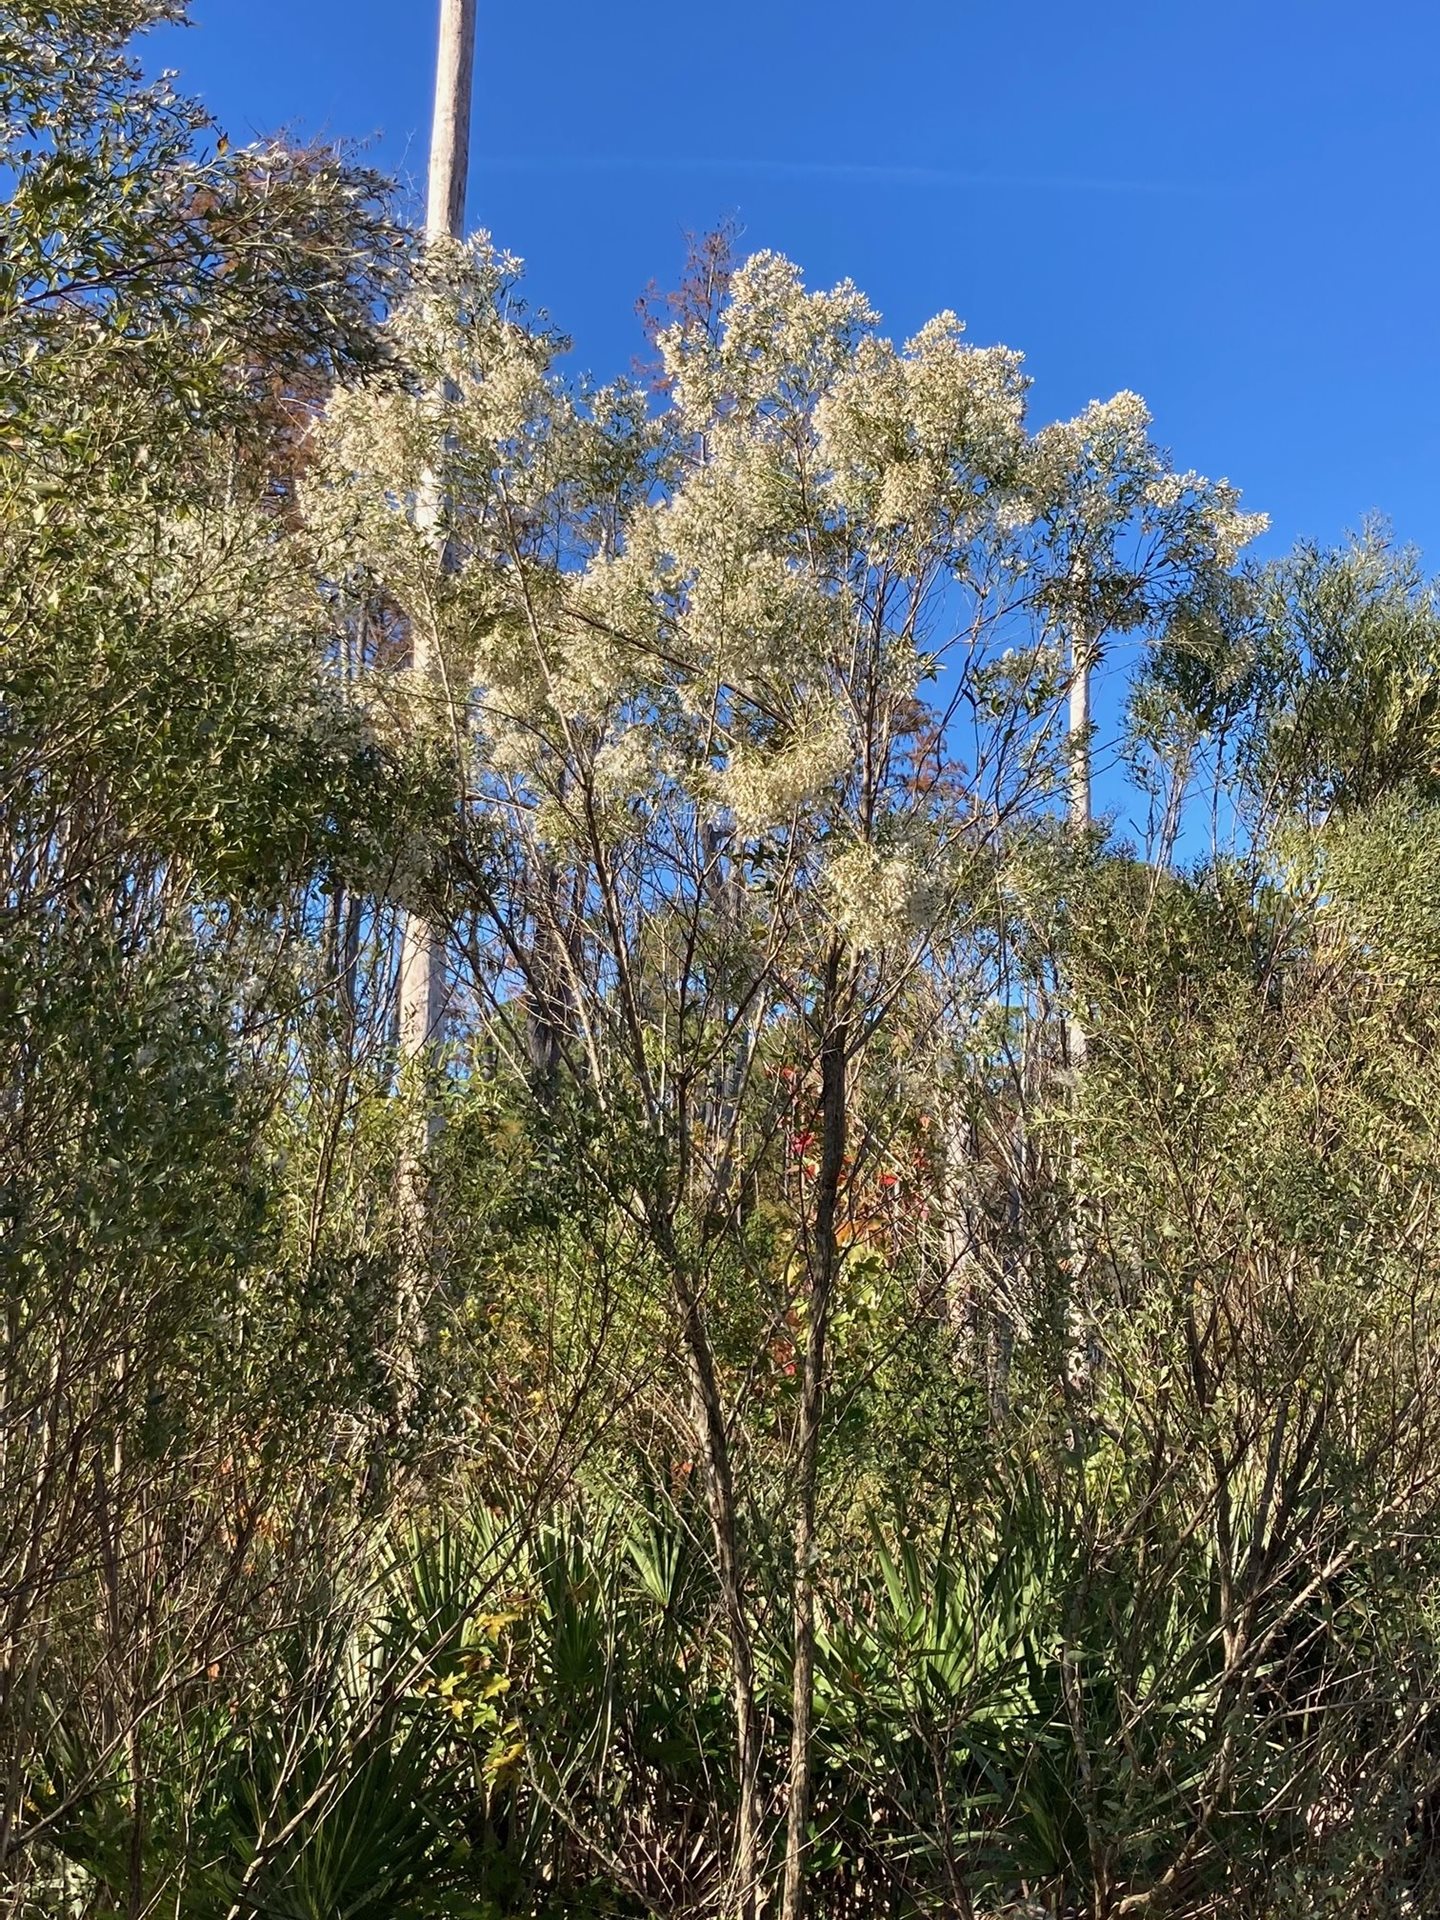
(882, 899)
(624, 766)
(1095, 467)
(751, 582)
(769, 788)
(916, 440)
(1231, 530)
(779, 348)
(764, 624)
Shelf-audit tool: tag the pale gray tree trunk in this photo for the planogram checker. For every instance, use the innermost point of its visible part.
(422, 960)
(450, 131)
(1078, 757)
(422, 963)
(422, 983)
(1080, 1357)
(1077, 738)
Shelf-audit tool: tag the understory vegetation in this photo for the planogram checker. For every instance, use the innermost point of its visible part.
(720, 1120)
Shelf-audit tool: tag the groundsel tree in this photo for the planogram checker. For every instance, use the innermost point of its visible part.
(757, 697)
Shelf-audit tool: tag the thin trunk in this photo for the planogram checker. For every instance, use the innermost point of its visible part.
(1077, 740)
(422, 962)
(1174, 808)
(712, 1439)
(544, 993)
(728, 1075)
(824, 1265)
(1079, 1358)
(422, 982)
(1078, 749)
(711, 1432)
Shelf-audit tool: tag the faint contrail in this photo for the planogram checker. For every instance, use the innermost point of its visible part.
(862, 172)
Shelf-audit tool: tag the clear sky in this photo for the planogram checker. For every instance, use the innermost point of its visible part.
(1230, 207)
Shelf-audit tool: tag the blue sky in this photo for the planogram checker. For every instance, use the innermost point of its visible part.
(1230, 208)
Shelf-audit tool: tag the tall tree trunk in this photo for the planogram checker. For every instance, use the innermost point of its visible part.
(450, 130)
(422, 960)
(1077, 735)
(422, 983)
(823, 1267)
(1079, 1357)
(1078, 755)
